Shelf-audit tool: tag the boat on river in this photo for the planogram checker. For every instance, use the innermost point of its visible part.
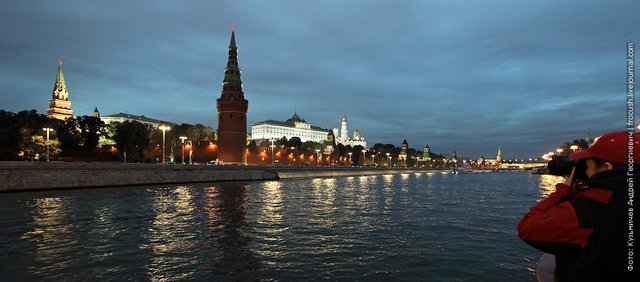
(462, 169)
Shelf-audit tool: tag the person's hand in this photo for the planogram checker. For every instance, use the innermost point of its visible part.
(570, 178)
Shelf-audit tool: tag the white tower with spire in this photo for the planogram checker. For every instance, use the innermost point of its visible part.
(344, 133)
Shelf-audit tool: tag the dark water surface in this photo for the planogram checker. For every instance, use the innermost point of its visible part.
(426, 227)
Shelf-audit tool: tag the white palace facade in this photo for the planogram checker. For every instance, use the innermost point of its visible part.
(293, 127)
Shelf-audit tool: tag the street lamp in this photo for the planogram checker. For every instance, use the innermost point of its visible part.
(350, 159)
(273, 146)
(47, 129)
(164, 129)
(183, 138)
(190, 152)
(364, 157)
(559, 150)
(574, 148)
(389, 156)
(318, 157)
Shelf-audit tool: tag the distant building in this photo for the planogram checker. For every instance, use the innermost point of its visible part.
(232, 112)
(403, 150)
(499, 156)
(122, 117)
(426, 152)
(59, 105)
(96, 113)
(292, 127)
(344, 139)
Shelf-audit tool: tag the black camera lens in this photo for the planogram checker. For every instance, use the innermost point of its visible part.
(562, 166)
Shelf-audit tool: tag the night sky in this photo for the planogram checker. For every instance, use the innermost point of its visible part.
(457, 75)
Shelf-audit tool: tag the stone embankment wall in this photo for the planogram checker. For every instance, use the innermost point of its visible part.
(22, 176)
(35, 176)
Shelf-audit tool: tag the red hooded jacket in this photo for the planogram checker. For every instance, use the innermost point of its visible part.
(562, 226)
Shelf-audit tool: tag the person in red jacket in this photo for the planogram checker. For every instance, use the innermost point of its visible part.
(562, 224)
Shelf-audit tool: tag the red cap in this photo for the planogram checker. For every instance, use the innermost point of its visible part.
(612, 147)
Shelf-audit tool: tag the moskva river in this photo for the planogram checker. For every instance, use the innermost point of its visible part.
(418, 227)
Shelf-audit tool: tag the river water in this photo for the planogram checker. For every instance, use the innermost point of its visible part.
(419, 227)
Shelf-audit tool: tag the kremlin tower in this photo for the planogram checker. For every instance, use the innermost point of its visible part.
(232, 112)
(59, 105)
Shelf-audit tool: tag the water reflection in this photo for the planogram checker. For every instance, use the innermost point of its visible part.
(548, 184)
(171, 237)
(432, 228)
(226, 208)
(52, 234)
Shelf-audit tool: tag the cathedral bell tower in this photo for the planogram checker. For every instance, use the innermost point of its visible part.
(59, 105)
(232, 112)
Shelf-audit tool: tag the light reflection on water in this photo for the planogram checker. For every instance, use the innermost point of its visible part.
(548, 184)
(400, 227)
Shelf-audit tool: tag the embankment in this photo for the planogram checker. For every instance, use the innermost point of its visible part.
(24, 176)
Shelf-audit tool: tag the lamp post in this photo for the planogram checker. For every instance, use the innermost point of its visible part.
(273, 146)
(364, 157)
(559, 150)
(350, 159)
(318, 157)
(164, 129)
(183, 138)
(190, 152)
(574, 148)
(47, 129)
(389, 156)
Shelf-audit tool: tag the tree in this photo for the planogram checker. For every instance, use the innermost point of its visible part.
(356, 157)
(200, 133)
(38, 145)
(282, 141)
(16, 131)
(90, 130)
(132, 138)
(294, 142)
(69, 136)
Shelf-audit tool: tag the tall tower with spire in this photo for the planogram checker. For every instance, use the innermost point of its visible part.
(499, 156)
(59, 105)
(232, 112)
(344, 132)
(403, 150)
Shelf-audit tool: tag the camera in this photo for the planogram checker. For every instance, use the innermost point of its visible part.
(562, 166)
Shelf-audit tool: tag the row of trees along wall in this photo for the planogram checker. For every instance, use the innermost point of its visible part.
(87, 138)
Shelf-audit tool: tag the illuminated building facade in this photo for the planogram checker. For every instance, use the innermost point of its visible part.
(293, 127)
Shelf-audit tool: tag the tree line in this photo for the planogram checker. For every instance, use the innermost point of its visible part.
(22, 137)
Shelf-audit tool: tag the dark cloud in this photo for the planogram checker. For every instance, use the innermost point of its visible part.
(463, 75)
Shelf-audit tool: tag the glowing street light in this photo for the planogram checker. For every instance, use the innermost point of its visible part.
(318, 155)
(273, 146)
(350, 160)
(559, 150)
(574, 148)
(164, 128)
(47, 129)
(389, 156)
(364, 157)
(183, 138)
